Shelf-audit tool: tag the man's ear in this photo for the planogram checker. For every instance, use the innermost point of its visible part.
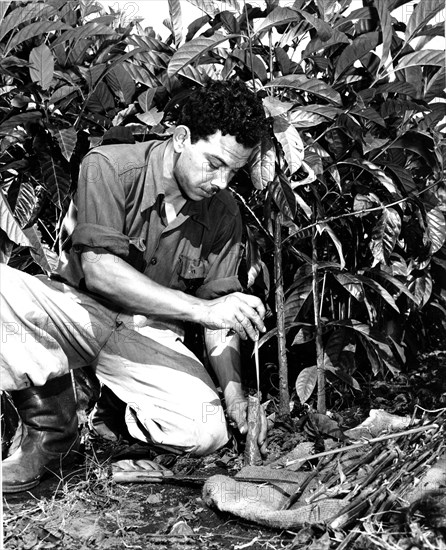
(181, 136)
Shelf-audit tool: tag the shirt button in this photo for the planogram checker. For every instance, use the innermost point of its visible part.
(153, 261)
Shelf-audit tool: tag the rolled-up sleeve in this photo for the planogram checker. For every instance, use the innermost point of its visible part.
(224, 261)
(101, 207)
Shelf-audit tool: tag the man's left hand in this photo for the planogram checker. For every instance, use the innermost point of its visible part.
(237, 410)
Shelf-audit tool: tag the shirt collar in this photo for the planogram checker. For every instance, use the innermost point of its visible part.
(154, 181)
(155, 185)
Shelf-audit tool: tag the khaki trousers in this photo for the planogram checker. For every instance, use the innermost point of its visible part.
(49, 328)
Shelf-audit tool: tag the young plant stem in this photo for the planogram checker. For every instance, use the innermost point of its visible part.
(321, 401)
(284, 396)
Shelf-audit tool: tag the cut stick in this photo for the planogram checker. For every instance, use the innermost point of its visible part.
(252, 454)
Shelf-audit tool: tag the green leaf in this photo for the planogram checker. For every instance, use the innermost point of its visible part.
(22, 119)
(423, 12)
(193, 50)
(382, 7)
(85, 31)
(436, 228)
(207, 6)
(421, 288)
(369, 114)
(385, 235)
(57, 181)
(375, 171)
(380, 290)
(296, 299)
(66, 138)
(404, 176)
(25, 200)
(32, 30)
(41, 67)
(397, 87)
(392, 280)
(9, 224)
(253, 62)
(101, 99)
(283, 196)
(145, 100)
(279, 16)
(311, 115)
(291, 142)
(62, 93)
(176, 20)
(324, 30)
(306, 382)
(360, 47)
(22, 14)
(418, 59)
(46, 258)
(263, 164)
(435, 86)
(325, 228)
(121, 83)
(352, 284)
(310, 85)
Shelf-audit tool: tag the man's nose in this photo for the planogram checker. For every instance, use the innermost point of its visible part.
(221, 180)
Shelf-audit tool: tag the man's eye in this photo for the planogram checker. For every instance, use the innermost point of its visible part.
(214, 167)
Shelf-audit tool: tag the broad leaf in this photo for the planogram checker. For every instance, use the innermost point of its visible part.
(325, 228)
(382, 7)
(380, 290)
(207, 6)
(62, 93)
(57, 181)
(435, 86)
(252, 62)
(275, 107)
(263, 164)
(32, 30)
(279, 16)
(296, 300)
(436, 228)
(193, 50)
(283, 196)
(41, 67)
(19, 120)
(397, 87)
(369, 114)
(145, 100)
(310, 85)
(404, 177)
(375, 171)
(324, 30)
(121, 83)
(352, 284)
(46, 258)
(291, 142)
(66, 138)
(418, 59)
(422, 13)
(9, 224)
(360, 47)
(391, 279)
(176, 20)
(85, 31)
(101, 100)
(385, 235)
(421, 288)
(25, 201)
(306, 382)
(22, 14)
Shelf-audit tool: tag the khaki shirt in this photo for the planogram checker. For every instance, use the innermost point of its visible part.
(119, 205)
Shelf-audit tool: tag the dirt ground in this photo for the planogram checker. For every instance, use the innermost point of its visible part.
(85, 510)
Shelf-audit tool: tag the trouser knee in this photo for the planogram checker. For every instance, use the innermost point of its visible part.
(211, 430)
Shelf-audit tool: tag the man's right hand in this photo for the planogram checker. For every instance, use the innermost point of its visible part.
(239, 312)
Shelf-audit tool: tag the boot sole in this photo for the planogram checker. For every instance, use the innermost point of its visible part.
(50, 469)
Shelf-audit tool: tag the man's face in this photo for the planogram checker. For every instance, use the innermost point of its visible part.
(205, 167)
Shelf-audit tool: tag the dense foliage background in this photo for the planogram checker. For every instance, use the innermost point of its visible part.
(346, 214)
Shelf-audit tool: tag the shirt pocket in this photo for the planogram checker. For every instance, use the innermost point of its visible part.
(192, 272)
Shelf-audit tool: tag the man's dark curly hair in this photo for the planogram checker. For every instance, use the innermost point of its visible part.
(228, 106)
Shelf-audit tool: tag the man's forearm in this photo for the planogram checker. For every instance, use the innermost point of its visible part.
(224, 356)
(121, 284)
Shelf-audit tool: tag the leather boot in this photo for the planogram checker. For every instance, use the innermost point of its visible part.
(107, 419)
(50, 434)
